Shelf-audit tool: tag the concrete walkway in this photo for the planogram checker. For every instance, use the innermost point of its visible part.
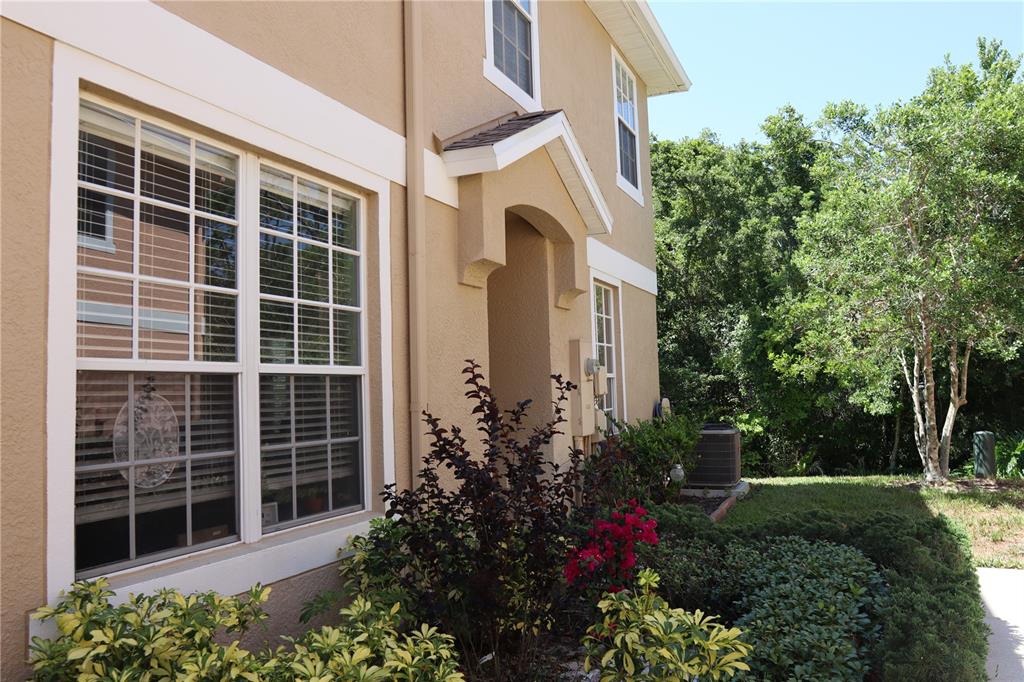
(1002, 590)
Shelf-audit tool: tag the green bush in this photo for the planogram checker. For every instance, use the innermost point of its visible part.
(641, 638)
(809, 608)
(1010, 455)
(367, 647)
(162, 636)
(634, 463)
(933, 624)
(178, 637)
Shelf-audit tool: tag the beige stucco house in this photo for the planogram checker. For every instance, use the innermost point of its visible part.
(245, 244)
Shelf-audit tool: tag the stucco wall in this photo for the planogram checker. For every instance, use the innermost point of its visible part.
(641, 351)
(350, 51)
(26, 59)
(576, 75)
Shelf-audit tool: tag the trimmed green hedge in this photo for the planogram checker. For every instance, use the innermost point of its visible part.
(932, 621)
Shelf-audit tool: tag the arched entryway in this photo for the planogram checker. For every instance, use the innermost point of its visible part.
(518, 321)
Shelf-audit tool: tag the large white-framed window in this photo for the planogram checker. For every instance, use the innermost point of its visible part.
(627, 129)
(512, 59)
(604, 307)
(232, 297)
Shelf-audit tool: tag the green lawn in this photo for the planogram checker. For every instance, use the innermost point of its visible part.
(992, 515)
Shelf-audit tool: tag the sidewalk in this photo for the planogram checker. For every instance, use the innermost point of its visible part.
(1002, 591)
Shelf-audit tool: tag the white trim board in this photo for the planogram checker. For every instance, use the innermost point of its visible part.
(555, 134)
(70, 66)
(602, 257)
(108, 31)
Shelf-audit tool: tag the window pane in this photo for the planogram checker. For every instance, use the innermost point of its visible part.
(212, 413)
(277, 338)
(310, 408)
(106, 147)
(104, 317)
(276, 265)
(133, 499)
(101, 396)
(312, 205)
(346, 337)
(163, 322)
(165, 165)
(275, 409)
(105, 231)
(346, 482)
(313, 272)
(277, 485)
(216, 249)
(311, 460)
(163, 242)
(311, 480)
(344, 406)
(215, 325)
(216, 179)
(314, 335)
(346, 279)
(213, 500)
(276, 194)
(627, 154)
(161, 514)
(101, 519)
(343, 216)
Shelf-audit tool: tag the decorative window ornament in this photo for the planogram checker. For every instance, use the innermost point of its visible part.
(156, 437)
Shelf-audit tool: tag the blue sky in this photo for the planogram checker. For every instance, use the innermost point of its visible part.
(748, 59)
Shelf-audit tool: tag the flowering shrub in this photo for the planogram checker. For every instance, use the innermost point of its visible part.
(608, 559)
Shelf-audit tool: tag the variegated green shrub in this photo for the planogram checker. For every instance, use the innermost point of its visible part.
(170, 636)
(149, 637)
(642, 639)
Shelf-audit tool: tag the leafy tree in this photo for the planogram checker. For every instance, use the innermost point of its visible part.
(915, 257)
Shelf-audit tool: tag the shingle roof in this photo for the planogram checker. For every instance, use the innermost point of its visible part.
(502, 131)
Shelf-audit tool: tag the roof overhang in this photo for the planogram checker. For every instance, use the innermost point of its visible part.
(639, 37)
(555, 134)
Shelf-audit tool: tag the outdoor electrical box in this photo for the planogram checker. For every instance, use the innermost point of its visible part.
(581, 401)
(984, 454)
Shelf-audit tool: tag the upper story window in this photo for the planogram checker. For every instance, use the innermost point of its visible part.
(213, 290)
(627, 129)
(511, 62)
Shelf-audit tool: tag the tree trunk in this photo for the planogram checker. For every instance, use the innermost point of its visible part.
(933, 468)
(896, 432)
(957, 398)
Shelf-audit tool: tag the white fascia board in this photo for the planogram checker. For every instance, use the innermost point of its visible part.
(602, 257)
(157, 44)
(489, 158)
(635, 30)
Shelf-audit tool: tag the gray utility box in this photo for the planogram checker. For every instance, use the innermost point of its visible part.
(718, 458)
(984, 454)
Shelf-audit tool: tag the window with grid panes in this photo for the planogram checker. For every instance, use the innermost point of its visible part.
(626, 123)
(512, 25)
(604, 343)
(160, 306)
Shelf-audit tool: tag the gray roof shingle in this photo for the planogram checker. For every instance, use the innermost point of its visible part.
(502, 131)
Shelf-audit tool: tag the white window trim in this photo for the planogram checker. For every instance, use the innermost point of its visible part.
(599, 278)
(635, 193)
(309, 546)
(495, 75)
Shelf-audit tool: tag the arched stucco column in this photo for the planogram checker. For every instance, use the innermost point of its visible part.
(531, 189)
